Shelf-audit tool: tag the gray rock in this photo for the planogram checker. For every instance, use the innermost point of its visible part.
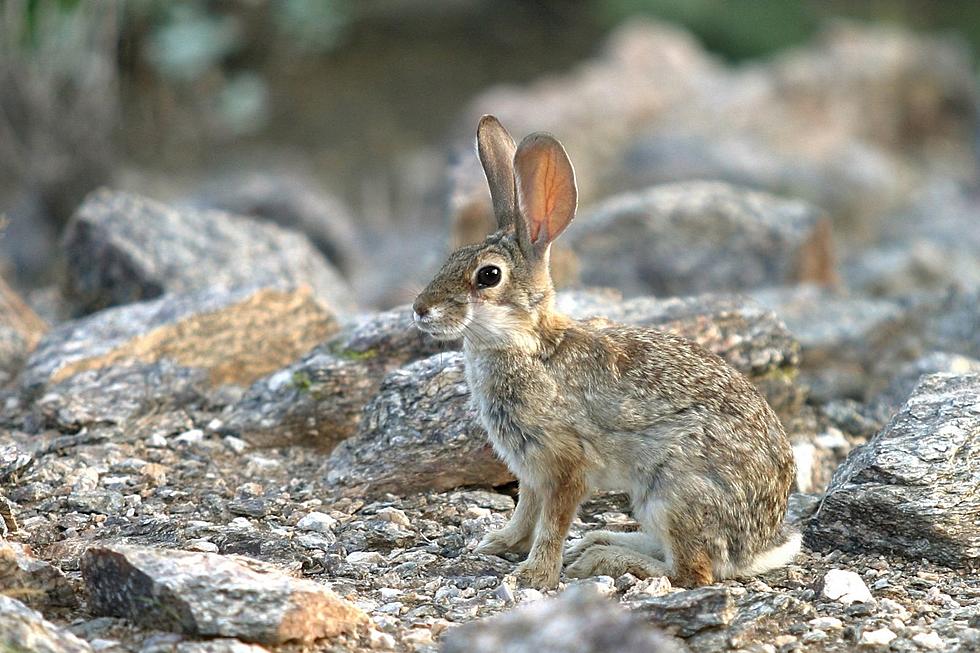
(319, 399)
(930, 245)
(419, 433)
(13, 354)
(122, 248)
(211, 595)
(717, 618)
(688, 612)
(910, 490)
(840, 184)
(950, 324)
(835, 331)
(695, 237)
(23, 629)
(901, 384)
(291, 199)
(36, 582)
(119, 394)
(578, 621)
(236, 336)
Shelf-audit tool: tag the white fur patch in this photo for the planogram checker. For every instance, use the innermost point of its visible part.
(774, 558)
(495, 326)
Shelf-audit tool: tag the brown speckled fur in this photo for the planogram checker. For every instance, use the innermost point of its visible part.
(572, 407)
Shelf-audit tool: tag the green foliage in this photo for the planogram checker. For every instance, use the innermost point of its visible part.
(737, 30)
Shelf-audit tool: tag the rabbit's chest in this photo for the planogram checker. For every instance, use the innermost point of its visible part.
(515, 404)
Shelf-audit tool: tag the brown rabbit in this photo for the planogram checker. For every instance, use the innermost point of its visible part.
(572, 406)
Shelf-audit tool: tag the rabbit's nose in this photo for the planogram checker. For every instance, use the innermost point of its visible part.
(421, 309)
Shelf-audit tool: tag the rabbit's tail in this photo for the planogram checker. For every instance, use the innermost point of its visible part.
(783, 552)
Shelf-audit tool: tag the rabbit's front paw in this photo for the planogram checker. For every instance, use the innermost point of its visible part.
(503, 541)
(537, 574)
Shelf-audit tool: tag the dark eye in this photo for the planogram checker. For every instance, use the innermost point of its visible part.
(488, 276)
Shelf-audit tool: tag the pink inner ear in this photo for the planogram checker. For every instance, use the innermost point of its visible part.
(546, 182)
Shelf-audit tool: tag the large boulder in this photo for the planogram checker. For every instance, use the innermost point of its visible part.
(211, 595)
(928, 246)
(122, 248)
(291, 199)
(318, 399)
(911, 490)
(119, 363)
(419, 433)
(237, 335)
(695, 237)
(836, 331)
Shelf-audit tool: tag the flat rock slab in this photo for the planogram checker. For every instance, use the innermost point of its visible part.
(122, 248)
(118, 394)
(419, 433)
(912, 490)
(696, 237)
(578, 621)
(318, 400)
(207, 594)
(235, 336)
(24, 629)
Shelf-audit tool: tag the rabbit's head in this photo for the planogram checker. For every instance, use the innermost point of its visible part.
(496, 293)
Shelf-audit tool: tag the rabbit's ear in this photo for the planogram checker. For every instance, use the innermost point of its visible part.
(496, 149)
(546, 192)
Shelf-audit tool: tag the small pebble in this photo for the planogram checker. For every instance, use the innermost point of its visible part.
(814, 636)
(393, 515)
(156, 441)
(929, 641)
(365, 558)
(845, 587)
(318, 522)
(626, 581)
(826, 623)
(504, 593)
(235, 444)
(380, 641)
(783, 640)
(528, 595)
(190, 437)
(880, 637)
(389, 593)
(204, 546)
(418, 637)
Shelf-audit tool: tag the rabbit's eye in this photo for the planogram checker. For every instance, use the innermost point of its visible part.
(488, 276)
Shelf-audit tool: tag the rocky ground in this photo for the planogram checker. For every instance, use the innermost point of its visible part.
(214, 442)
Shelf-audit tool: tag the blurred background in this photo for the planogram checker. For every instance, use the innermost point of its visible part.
(352, 120)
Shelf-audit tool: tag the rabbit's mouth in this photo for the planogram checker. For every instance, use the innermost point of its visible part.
(433, 323)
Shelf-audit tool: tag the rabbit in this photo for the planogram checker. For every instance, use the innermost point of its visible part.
(572, 407)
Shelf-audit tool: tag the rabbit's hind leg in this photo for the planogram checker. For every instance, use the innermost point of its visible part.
(613, 560)
(642, 542)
